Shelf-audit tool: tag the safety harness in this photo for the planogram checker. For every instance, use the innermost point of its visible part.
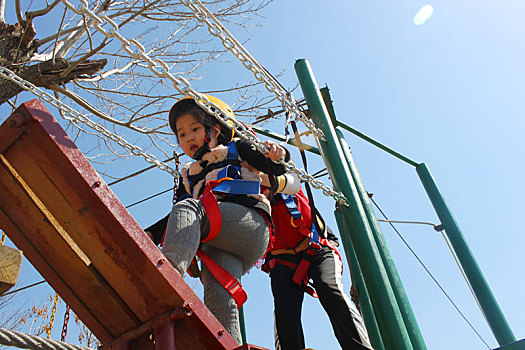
(299, 225)
(315, 233)
(229, 182)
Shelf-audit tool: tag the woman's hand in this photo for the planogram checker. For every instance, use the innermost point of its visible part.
(275, 152)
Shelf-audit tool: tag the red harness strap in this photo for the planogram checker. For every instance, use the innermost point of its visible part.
(225, 278)
(301, 274)
(277, 261)
(293, 266)
(211, 207)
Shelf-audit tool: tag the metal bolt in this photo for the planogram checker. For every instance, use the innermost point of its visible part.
(188, 308)
(96, 184)
(17, 120)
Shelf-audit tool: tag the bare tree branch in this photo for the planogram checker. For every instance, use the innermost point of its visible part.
(2, 12)
(91, 108)
(59, 29)
(19, 15)
(66, 72)
(71, 40)
(47, 73)
(43, 11)
(95, 73)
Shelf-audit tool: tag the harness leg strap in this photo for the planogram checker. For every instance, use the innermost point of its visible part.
(300, 276)
(211, 207)
(232, 286)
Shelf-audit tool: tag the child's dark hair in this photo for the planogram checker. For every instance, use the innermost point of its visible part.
(209, 122)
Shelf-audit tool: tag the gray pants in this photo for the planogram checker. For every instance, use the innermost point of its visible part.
(242, 240)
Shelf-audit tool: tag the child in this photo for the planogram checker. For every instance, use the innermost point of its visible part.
(294, 258)
(243, 237)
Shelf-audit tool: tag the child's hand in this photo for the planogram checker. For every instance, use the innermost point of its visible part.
(275, 152)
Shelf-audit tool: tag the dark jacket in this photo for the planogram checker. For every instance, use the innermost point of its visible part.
(195, 175)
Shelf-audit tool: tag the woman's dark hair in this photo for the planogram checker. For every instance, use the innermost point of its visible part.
(208, 121)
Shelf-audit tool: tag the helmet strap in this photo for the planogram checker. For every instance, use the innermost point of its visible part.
(207, 136)
(205, 148)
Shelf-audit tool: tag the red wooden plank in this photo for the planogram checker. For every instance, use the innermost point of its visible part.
(64, 192)
(118, 249)
(11, 130)
(36, 235)
(53, 278)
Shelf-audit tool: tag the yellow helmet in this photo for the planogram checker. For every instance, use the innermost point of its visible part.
(187, 103)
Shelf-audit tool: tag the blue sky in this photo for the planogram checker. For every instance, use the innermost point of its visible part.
(449, 93)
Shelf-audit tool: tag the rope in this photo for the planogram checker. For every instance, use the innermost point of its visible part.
(439, 228)
(320, 173)
(410, 222)
(464, 276)
(150, 197)
(28, 341)
(140, 172)
(21, 289)
(430, 274)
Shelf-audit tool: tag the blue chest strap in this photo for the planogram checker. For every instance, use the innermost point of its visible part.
(231, 171)
(230, 178)
(291, 205)
(289, 200)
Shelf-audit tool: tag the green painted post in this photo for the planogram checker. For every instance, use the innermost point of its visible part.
(376, 143)
(242, 324)
(387, 312)
(391, 270)
(357, 277)
(397, 285)
(497, 322)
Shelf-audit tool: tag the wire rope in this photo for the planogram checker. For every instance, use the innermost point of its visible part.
(150, 197)
(430, 274)
(464, 275)
(28, 341)
(23, 288)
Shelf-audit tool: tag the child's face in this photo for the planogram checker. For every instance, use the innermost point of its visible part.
(191, 134)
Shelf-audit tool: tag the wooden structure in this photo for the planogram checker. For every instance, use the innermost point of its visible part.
(57, 209)
(10, 262)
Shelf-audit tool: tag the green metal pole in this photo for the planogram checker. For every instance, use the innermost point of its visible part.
(391, 270)
(387, 312)
(328, 102)
(376, 143)
(397, 286)
(365, 304)
(242, 324)
(497, 322)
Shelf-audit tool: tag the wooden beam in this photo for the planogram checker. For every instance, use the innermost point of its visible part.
(74, 230)
(10, 262)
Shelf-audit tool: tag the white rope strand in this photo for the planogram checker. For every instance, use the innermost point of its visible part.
(28, 341)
